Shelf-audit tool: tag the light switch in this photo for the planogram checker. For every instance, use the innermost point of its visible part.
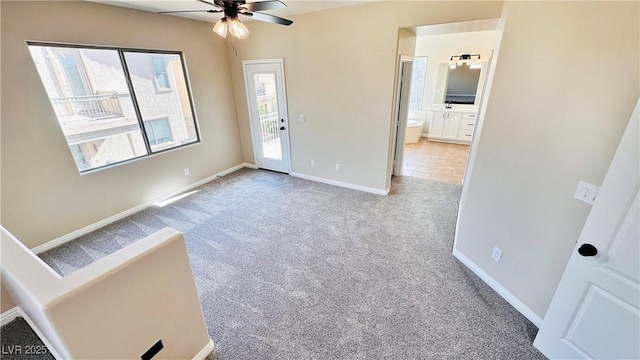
(301, 118)
(586, 192)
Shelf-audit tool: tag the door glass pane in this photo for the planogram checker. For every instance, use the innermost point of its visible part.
(91, 100)
(267, 99)
(161, 91)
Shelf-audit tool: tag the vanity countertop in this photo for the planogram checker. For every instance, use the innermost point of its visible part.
(454, 108)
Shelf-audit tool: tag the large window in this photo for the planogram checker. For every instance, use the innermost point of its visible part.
(114, 105)
(418, 76)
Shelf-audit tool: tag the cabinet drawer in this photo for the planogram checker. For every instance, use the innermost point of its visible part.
(465, 135)
(467, 125)
(469, 116)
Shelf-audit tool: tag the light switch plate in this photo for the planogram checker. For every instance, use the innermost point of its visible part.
(586, 192)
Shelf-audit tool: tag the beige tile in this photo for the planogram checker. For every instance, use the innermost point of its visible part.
(436, 161)
(411, 161)
(421, 175)
(425, 167)
(407, 171)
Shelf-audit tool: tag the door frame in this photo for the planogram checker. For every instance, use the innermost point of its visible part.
(284, 113)
(401, 113)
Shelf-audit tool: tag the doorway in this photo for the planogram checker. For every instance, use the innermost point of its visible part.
(266, 99)
(444, 109)
(403, 90)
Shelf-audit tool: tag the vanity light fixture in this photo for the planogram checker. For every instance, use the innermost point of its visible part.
(467, 59)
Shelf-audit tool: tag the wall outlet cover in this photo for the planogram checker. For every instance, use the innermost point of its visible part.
(496, 254)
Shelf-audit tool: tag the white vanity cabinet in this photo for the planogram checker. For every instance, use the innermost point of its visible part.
(452, 126)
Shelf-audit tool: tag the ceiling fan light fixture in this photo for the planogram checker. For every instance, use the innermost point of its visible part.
(237, 29)
(221, 27)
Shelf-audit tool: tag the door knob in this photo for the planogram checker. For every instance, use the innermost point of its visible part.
(281, 127)
(587, 250)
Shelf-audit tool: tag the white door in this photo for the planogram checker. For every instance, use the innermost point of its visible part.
(403, 96)
(266, 98)
(594, 312)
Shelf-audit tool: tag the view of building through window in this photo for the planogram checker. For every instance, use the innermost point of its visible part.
(418, 76)
(107, 118)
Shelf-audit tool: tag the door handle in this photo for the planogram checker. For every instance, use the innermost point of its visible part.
(281, 120)
(587, 250)
(281, 127)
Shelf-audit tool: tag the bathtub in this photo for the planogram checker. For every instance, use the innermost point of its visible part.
(413, 131)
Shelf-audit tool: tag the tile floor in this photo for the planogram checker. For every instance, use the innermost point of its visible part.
(435, 161)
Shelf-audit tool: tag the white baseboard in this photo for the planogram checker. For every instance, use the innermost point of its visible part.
(508, 296)
(9, 315)
(206, 350)
(340, 183)
(102, 223)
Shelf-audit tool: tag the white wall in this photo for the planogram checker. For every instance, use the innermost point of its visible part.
(40, 181)
(340, 71)
(440, 48)
(116, 307)
(566, 81)
(6, 301)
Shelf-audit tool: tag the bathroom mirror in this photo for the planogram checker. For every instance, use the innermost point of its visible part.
(461, 85)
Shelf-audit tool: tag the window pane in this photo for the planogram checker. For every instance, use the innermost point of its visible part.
(418, 76)
(158, 131)
(150, 72)
(161, 72)
(92, 103)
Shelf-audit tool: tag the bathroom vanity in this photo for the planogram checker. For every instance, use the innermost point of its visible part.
(455, 106)
(452, 125)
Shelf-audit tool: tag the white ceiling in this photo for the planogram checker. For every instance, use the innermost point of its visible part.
(294, 7)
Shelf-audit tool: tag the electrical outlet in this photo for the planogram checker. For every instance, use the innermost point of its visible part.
(338, 167)
(186, 172)
(496, 254)
(313, 163)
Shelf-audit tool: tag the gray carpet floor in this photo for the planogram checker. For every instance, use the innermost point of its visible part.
(292, 269)
(20, 342)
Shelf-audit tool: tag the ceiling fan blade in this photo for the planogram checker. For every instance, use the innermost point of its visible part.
(210, 3)
(189, 11)
(268, 18)
(264, 5)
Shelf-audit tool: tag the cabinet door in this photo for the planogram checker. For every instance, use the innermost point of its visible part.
(452, 126)
(436, 126)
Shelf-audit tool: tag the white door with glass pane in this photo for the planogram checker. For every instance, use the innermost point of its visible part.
(266, 98)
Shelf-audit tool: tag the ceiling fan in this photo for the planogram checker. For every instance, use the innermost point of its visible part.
(232, 9)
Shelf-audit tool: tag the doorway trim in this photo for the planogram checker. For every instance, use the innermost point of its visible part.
(284, 113)
(401, 112)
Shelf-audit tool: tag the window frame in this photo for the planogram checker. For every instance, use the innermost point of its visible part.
(121, 54)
